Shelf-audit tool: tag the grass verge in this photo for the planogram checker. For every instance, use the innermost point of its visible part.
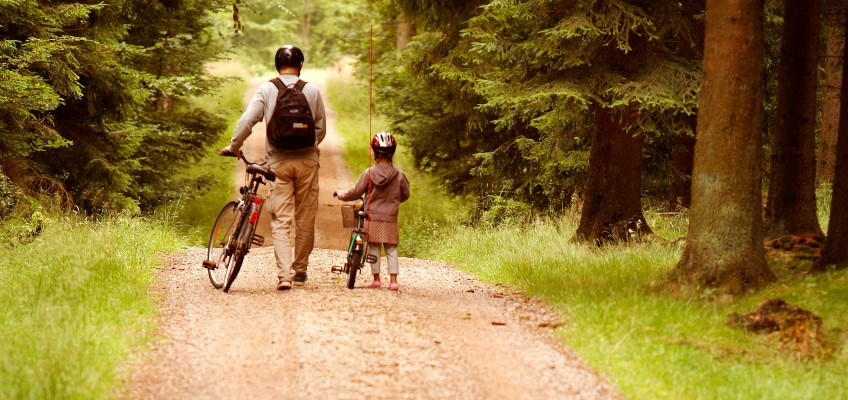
(75, 305)
(653, 345)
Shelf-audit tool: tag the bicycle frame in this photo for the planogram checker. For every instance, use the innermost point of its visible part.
(357, 250)
(238, 220)
(358, 239)
(253, 201)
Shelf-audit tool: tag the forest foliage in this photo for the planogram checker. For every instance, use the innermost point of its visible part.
(495, 98)
(93, 97)
(96, 100)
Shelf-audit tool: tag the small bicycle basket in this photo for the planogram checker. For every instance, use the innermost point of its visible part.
(347, 216)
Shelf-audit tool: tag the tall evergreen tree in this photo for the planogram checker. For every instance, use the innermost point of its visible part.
(519, 86)
(724, 246)
(791, 207)
(835, 251)
(38, 63)
(833, 24)
(612, 199)
(117, 80)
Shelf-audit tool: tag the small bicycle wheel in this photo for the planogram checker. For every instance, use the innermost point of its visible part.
(355, 263)
(222, 244)
(242, 247)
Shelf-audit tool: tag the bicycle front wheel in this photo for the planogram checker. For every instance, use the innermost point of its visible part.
(222, 243)
(355, 264)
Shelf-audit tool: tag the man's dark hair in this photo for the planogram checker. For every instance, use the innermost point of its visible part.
(289, 56)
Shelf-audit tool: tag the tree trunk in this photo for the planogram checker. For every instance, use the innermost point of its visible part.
(835, 251)
(681, 190)
(683, 156)
(724, 247)
(164, 102)
(791, 207)
(306, 26)
(834, 26)
(405, 32)
(612, 201)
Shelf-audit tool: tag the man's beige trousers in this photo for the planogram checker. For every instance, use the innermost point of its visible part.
(293, 198)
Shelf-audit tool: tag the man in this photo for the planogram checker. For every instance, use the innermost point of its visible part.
(294, 195)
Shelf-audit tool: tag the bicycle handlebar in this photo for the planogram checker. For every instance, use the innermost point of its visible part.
(253, 168)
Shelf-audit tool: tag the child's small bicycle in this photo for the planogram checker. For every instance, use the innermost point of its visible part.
(233, 232)
(353, 218)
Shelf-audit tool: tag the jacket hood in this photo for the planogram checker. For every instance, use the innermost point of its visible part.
(382, 174)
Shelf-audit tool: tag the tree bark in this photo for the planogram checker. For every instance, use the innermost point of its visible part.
(405, 31)
(831, 64)
(683, 156)
(791, 207)
(724, 247)
(612, 201)
(835, 251)
(164, 102)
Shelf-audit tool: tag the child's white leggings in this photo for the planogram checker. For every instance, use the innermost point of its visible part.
(391, 257)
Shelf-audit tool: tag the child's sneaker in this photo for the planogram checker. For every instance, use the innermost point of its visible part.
(375, 284)
(394, 286)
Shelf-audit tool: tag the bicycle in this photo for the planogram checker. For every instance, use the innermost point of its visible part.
(233, 232)
(353, 218)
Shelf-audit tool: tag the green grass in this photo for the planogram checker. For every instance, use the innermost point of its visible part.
(75, 304)
(650, 344)
(350, 101)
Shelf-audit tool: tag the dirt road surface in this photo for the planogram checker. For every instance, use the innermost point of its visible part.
(444, 335)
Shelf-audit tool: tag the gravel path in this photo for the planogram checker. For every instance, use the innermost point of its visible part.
(444, 335)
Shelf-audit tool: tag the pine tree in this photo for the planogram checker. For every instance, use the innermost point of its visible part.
(835, 251)
(514, 90)
(791, 207)
(724, 246)
(106, 73)
(37, 73)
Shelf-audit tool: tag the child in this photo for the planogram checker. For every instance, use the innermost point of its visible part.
(385, 187)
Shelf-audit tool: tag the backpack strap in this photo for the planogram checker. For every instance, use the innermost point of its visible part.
(282, 86)
(278, 83)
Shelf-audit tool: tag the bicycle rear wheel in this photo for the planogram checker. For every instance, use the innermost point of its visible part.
(355, 264)
(222, 244)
